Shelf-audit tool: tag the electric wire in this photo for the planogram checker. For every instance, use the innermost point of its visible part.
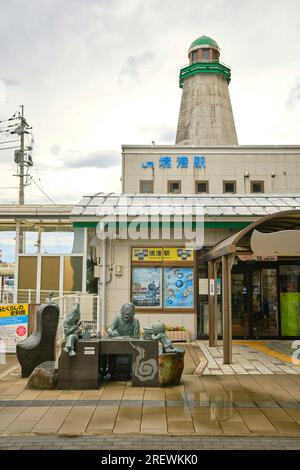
(45, 194)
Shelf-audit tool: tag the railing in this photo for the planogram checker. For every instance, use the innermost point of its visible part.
(208, 66)
(89, 303)
(89, 311)
(204, 62)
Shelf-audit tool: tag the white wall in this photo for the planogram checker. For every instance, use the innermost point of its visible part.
(222, 163)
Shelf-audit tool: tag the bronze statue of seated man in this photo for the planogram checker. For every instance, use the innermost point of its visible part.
(123, 325)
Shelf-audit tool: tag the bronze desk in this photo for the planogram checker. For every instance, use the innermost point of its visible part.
(82, 371)
(144, 357)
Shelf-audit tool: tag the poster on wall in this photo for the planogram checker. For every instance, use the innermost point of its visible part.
(146, 287)
(178, 287)
(13, 325)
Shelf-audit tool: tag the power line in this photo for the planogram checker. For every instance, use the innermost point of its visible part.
(7, 148)
(8, 187)
(45, 194)
(9, 141)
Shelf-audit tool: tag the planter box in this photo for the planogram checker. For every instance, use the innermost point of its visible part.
(179, 335)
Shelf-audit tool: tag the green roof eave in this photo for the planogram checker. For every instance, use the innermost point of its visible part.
(204, 67)
(235, 224)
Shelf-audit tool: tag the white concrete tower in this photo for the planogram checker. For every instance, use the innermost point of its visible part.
(205, 116)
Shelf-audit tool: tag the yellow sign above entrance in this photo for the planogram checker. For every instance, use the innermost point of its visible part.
(178, 254)
(162, 254)
(146, 254)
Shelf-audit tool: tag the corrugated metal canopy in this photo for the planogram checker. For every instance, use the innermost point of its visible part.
(214, 205)
(285, 220)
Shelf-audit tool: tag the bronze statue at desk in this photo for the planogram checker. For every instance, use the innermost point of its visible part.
(124, 325)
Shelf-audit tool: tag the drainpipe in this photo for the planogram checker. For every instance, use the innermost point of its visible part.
(17, 251)
(103, 290)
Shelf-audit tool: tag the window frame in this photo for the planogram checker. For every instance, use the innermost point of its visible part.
(166, 264)
(261, 182)
(231, 182)
(204, 51)
(206, 182)
(172, 182)
(146, 181)
(195, 56)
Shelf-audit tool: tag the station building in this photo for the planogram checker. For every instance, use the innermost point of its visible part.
(244, 281)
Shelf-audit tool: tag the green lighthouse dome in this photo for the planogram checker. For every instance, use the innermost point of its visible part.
(204, 41)
(204, 58)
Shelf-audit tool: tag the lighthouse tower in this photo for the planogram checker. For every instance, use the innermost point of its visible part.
(205, 116)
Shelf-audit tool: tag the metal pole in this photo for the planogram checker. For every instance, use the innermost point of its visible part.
(16, 273)
(211, 305)
(103, 290)
(21, 163)
(226, 297)
(216, 267)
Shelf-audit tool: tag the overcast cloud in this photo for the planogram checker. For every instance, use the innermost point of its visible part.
(96, 74)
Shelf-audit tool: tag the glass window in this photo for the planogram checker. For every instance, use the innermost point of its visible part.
(201, 187)
(158, 284)
(174, 187)
(205, 54)
(257, 186)
(146, 286)
(194, 56)
(146, 186)
(50, 273)
(229, 186)
(178, 287)
(27, 272)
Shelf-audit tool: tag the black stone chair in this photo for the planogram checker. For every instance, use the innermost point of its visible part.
(40, 346)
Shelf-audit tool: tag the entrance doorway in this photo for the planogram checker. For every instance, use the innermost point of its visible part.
(254, 301)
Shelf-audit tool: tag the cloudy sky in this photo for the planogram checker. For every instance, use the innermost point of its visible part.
(95, 74)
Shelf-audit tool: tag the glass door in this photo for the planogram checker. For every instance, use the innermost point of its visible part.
(241, 318)
(254, 302)
(264, 302)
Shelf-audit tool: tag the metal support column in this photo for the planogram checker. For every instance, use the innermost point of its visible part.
(212, 330)
(226, 302)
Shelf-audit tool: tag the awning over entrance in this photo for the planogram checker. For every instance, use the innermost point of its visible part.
(285, 224)
(239, 243)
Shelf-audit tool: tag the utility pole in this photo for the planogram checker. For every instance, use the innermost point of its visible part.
(21, 185)
(22, 157)
(23, 160)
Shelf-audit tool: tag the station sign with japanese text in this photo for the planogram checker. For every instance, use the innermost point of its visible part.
(181, 161)
(162, 254)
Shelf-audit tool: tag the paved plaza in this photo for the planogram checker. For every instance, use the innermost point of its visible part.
(258, 397)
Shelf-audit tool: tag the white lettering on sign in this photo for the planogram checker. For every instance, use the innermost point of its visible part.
(89, 350)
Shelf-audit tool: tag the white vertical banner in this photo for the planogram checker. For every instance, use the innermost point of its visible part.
(211, 287)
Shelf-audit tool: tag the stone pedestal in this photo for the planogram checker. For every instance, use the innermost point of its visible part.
(171, 367)
(43, 376)
(80, 372)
